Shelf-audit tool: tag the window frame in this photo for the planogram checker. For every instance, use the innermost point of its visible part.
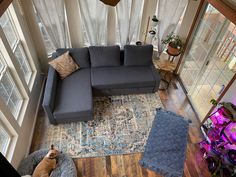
(18, 43)
(6, 71)
(10, 138)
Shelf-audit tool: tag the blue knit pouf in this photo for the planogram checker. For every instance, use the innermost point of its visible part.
(166, 145)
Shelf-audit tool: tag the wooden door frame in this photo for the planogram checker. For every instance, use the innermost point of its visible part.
(230, 14)
(219, 99)
(222, 7)
(4, 5)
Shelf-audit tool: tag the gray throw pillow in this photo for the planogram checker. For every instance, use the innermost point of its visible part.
(101, 56)
(138, 55)
(80, 55)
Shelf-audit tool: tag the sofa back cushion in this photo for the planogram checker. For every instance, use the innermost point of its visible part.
(138, 55)
(80, 55)
(101, 56)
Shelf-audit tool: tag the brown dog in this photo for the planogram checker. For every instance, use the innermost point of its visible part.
(47, 165)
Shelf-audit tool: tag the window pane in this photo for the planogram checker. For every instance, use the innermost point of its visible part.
(4, 139)
(10, 94)
(23, 62)
(8, 29)
(3, 93)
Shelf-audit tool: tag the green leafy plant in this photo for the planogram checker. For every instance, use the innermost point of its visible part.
(173, 40)
(214, 102)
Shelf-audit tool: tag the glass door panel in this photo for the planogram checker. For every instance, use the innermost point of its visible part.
(209, 63)
(203, 40)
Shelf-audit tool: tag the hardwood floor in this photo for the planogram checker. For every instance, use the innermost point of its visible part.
(173, 99)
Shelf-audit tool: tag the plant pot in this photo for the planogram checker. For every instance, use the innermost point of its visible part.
(151, 34)
(154, 21)
(172, 50)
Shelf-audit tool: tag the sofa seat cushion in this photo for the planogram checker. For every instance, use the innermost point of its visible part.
(122, 77)
(74, 97)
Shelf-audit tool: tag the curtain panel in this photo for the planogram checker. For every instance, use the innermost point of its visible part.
(94, 20)
(169, 13)
(129, 15)
(52, 15)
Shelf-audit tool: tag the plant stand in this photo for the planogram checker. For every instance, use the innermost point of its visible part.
(166, 70)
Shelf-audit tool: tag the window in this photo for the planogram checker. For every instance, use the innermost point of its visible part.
(16, 45)
(8, 90)
(5, 139)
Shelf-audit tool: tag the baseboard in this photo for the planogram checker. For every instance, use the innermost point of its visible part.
(36, 113)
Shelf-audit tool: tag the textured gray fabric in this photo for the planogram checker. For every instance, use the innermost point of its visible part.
(80, 55)
(74, 98)
(125, 91)
(138, 55)
(166, 145)
(156, 75)
(65, 168)
(122, 77)
(104, 56)
(50, 94)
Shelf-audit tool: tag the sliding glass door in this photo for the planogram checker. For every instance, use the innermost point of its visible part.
(209, 62)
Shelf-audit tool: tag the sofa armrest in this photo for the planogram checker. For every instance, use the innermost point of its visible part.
(50, 94)
(157, 77)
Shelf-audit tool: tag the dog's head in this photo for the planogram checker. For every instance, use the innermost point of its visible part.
(52, 153)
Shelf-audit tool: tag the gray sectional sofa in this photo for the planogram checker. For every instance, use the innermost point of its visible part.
(103, 71)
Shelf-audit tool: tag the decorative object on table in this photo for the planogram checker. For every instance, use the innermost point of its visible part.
(47, 164)
(166, 144)
(150, 35)
(110, 2)
(6, 169)
(174, 44)
(219, 146)
(65, 164)
(121, 125)
(166, 71)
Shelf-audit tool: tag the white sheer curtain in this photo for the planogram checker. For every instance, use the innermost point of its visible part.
(52, 15)
(128, 20)
(94, 19)
(169, 13)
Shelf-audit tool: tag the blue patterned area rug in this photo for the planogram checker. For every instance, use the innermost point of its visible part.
(166, 144)
(121, 126)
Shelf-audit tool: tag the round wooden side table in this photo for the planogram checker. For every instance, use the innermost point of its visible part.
(166, 70)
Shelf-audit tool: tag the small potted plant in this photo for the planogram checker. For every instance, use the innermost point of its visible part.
(174, 43)
(151, 34)
(154, 21)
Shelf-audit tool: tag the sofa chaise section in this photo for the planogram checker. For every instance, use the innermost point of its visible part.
(74, 98)
(70, 99)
